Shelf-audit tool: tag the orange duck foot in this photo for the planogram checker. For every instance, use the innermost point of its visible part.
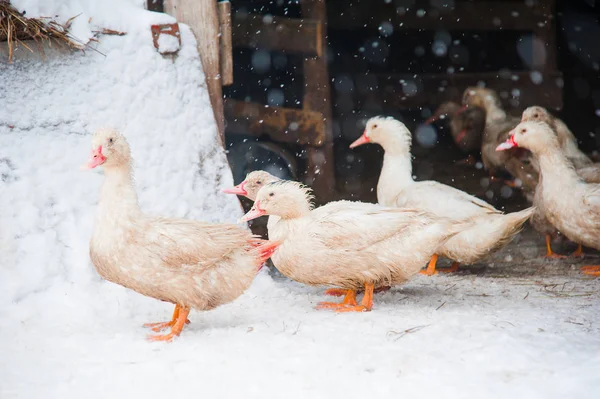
(342, 292)
(176, 325)
(453, 268)
(578, 252)
(349, 300)
(549, 253)
(365, 305)
(157, 327)
(591, 270)
(335, 292)
(430, 271)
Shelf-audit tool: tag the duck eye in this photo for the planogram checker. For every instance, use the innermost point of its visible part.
(536, 115)
(258, 182)
(523, 131)
(375, 126)
(110, 140)
(271, 194)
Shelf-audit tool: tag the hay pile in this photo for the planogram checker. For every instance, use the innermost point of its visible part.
(15, 27)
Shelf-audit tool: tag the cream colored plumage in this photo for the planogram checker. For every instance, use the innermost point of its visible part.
(191, 264)
(587, 171)
(491, 228)
(253, 182)
(348, 244)
(571, 205)
(566, 139)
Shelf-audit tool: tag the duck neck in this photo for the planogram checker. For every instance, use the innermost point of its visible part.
(493, 112)
(555, 167)
(295, 212)
(118, 197)
(396, 174)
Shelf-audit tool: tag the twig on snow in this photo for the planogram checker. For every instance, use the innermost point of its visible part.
(400, 334)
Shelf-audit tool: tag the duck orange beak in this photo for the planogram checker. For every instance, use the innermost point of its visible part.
(237, 190)
(364, 139)
(253, 213)
(96, 159)
(508, 144)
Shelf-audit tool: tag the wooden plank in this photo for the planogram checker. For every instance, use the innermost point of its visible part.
(225, 43)
(463, 16)
(278, 33)
(414, 91)
(320, 170)
(286, 125)
(201, 16)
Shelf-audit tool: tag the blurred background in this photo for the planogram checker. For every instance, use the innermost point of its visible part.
(323, 68)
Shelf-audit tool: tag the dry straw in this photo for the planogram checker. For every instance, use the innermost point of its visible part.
(15, 28)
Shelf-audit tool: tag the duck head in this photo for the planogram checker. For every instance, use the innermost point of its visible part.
(531, 135)
(253, 182)
(286, 199)
(109, 149)
(388, 132)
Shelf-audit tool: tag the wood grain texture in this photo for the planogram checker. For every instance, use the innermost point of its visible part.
(202, 17)
(320, 170)
(225, 43)
(286, 125)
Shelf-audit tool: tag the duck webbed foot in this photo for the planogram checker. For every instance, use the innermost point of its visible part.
(365, 305)
(342, 292)
(335, 292)
(578, 252)
(179, 321)
(591, 270)
(430, 271)
(349, 300)
(453, 268)
(157, 327)
(549, 253)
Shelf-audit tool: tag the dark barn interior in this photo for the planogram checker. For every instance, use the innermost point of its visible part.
(399, 58)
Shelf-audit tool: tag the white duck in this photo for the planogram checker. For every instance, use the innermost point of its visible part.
(570, 204)
(348, 244)
(491, 228)
(566, 138)
(249, 188)
(191, 264)
(253, 182)
(584, 167)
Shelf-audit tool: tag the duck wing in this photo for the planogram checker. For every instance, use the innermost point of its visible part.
(443, 200)
(347, 226)
(187, 242)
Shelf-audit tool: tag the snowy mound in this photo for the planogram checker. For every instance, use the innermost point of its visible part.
(49, 110)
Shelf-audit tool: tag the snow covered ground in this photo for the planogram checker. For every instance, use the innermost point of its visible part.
(65, 333)
(451, 337)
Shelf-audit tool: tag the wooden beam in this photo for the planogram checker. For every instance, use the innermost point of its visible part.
(286, 125)
(225, 45)
(201, 16)
(463, 16)
(414, 91)
(320, 170)
(278, 33)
